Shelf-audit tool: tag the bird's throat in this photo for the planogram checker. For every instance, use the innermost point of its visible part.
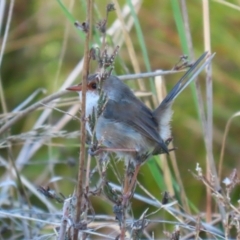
(91, 101)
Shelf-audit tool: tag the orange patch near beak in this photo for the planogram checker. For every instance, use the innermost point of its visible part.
(76, 88)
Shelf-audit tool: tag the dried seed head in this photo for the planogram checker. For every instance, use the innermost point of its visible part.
(82, 26)
(110, 7)
(93, 53)
(102, 26)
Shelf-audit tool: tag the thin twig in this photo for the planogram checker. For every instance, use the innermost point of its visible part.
(209, 160)
(64, 221)
(226, 130)
(31, 109)
(80, 189)
(149, 74)
(3, 45)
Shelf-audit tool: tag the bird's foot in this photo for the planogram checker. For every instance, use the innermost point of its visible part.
(95, 150)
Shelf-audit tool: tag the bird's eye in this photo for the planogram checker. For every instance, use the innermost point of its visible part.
(93, 85)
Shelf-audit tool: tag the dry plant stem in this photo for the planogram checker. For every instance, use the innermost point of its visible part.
(63, 227)
(129, 187)
(161, 93)
(172, 154)
(31, 109)
(126, 182)
(21, 187)
(204, 120)
(187, 28)
(210, 162)
(209, 116)
(164, 163)
(80, 189)
(190, 48)
(149, 74)
(123, 224)
(6, 32)
(209, 108)
(28, 185)
(88, 171)
(228, 4)
(64, 46)
(224, 142)
(193, 233)
(127, 193)
(21, 191)
(125, 199)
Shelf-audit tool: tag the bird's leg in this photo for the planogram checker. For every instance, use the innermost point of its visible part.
(126, 183)
(132, 172)
(128, 176)
(124, 202)
(129, 184)
(128, 190)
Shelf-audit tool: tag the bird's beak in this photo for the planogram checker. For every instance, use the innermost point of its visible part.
(76, 88)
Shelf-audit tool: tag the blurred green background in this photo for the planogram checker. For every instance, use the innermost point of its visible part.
(43, 47)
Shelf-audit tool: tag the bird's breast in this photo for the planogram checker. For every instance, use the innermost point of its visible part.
(91, 101)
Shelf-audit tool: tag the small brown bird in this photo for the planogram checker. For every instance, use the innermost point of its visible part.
(127, 124)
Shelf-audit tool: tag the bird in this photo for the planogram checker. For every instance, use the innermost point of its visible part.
(126, 125)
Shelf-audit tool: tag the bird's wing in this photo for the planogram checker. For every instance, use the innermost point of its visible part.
(135, 115)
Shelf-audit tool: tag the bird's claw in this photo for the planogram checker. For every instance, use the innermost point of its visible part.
(94, 150)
